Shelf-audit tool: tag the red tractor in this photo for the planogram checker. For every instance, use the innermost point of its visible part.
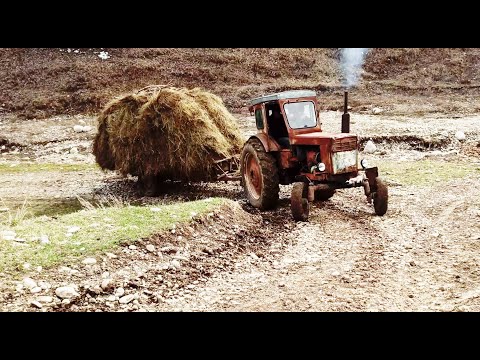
(290, 148)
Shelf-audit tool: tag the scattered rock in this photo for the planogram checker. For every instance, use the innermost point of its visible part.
(281, 284)
(253, 256)
(377, 110)
(27, 266)
(36, 304)
(29, 283)
(412, 263)
(87, 128)
(335, 273)
(73, 229)
(36, 290)
(126, 299)
(111, 298)
(111, 256)
(150, 248)
(89, 261)
(45, 299)
(175, 264)
(66, 292)
(132, 247)
(370, 147)
(39, 269)
(119, 292)
(82, 122)
(73, 150)
(107, 284)
(460, 135)
(8, 235)
(78, 128)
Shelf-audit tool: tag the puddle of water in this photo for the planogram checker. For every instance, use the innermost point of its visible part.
(40, 207)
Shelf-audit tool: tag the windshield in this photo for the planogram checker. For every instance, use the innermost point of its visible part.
(300, 114)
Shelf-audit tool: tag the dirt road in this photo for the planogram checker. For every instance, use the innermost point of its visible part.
(421, 256)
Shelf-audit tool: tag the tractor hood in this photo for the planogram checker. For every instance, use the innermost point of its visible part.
(321, 138)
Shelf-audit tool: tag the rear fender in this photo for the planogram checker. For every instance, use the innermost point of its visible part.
(268, 143)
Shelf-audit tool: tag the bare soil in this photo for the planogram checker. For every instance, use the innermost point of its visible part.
(421, 256)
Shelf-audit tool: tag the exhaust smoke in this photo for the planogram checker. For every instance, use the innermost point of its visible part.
(351, 62)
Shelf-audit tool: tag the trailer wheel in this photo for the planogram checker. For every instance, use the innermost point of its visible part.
(324, 195)
(380, 198)
(299, 201)
(259, 175)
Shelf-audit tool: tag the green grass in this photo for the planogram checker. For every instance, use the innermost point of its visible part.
(47, 167)
(425, 172)
(101, 229)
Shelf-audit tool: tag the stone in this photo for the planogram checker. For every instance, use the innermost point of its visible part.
(107, 284)
(119, 292)
(370, 147)
(36, 304)
(111, 298)
(126, 299)
(8, 235)
(73, 150)
(78, 128)
(87, 128)
(29, 283)
(150, 248)
(45, 299)
(73, 229)
(132, 247)
(175, 264)
(111, 256)
(66, 292)
(89, 261)
(460, 135)
(253, 256)
(36, 290)
(377, 110)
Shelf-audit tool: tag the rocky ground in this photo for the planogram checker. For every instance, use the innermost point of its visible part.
(421, 256)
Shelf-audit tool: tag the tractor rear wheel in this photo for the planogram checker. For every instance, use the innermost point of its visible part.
(380, 198)
(259, 175)
(299, 201)
(324, 195)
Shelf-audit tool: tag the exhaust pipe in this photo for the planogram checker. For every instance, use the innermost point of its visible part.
(345, 116)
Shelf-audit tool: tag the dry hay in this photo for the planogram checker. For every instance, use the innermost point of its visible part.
(171, 133)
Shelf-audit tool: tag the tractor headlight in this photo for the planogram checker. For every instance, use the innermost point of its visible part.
(321, 167)
(364, 163)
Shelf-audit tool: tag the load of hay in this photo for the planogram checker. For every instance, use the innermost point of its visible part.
(167, 132)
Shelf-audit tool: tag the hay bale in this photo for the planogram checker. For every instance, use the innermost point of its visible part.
(166, 132)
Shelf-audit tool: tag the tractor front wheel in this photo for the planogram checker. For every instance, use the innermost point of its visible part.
(380, 198)
(299, 201)
(259, 175)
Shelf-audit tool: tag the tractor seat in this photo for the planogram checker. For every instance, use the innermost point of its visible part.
(284, 142)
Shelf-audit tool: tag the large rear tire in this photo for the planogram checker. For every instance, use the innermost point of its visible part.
(380, 198)
(299, 201)
(259, 175)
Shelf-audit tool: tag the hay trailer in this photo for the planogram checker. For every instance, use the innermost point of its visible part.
(291, 148)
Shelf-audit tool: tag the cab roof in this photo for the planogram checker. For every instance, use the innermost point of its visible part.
(292, 94)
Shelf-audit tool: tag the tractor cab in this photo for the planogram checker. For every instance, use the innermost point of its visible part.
(282, 115)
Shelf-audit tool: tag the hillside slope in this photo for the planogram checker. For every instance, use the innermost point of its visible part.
(38, 83)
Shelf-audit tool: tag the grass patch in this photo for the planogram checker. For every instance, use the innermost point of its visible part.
(47, 167)
(424, 172)
(100, 230)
